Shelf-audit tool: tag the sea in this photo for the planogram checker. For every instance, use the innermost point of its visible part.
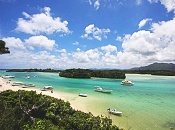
(147, 105)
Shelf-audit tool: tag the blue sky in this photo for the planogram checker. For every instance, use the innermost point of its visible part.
(65, 34)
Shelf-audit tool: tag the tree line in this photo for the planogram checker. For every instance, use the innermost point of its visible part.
(87, 73)
(34, 70)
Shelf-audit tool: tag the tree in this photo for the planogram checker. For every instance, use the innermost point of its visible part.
(3, 49)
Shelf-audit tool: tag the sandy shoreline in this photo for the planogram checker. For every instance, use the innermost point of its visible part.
(5, 84)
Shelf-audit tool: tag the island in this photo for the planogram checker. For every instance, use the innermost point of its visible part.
(87, 73)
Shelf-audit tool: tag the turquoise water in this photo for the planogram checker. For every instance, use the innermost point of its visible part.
(147, 105)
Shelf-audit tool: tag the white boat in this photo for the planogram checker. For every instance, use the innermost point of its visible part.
(114, 111)
(100, 89)
(8, 76)
(126, 82)
(27, 77)
(45, 88)
(17, 84)
(83, 94)
(28, 85)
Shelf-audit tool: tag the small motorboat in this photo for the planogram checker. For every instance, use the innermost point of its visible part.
(45, 88)
(82, 94)
(28, 85)
(126, 82)
(8, 76)
(99, 89)
(114, 111)
(27, 77)
(17, 84)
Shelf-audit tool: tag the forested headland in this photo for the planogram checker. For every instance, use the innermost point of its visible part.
(87, 73)
(26, 110)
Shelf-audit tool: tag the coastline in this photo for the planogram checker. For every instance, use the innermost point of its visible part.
(5, 84)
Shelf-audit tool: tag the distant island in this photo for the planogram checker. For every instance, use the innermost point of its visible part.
(157, 66)
(165, 69)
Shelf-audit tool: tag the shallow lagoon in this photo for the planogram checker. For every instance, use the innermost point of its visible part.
(148, 104)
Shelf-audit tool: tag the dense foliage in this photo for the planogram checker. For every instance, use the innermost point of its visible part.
(33, 70)
(86, 73)
(3, 49)
(26, 110)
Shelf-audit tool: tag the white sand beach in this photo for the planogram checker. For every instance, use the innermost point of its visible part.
(5, 84)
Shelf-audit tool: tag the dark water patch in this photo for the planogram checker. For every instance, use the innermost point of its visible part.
(169, 125)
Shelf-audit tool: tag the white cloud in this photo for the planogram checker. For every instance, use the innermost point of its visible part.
(42, 23)
(97, 4)
(40, 41)
(88, 56)
(76, 43)
(153, 1)
(144, 47)
(109, 48)
(138, 2)
(169, 4)
(14, 43)
(139, 48)
(143, 22)
(90, 2)
(92, 32)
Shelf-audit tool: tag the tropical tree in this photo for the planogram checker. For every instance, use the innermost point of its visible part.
(3, 49)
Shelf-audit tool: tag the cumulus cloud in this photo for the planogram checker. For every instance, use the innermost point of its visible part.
(145, 47)
(143, 22)
(14, 43)
(91, 55)
(42, 23)
(109, 48)
(40, 41)
(92, 32)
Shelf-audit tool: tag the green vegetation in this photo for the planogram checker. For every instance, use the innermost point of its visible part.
(26, 110)
(3, 49)
(34, 70)
(86, 73)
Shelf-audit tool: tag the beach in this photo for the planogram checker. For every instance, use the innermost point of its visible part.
(5, 84)
(148, 104)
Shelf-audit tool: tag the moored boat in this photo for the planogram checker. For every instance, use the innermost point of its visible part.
(8, 76)
(114, 111)
(17, 83)
(83, 94)
(28, 85)
(126, 82)
(45, 88)
(100, 89)
(27, 77)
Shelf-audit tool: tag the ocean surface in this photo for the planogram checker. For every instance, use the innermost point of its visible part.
(147, 105)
